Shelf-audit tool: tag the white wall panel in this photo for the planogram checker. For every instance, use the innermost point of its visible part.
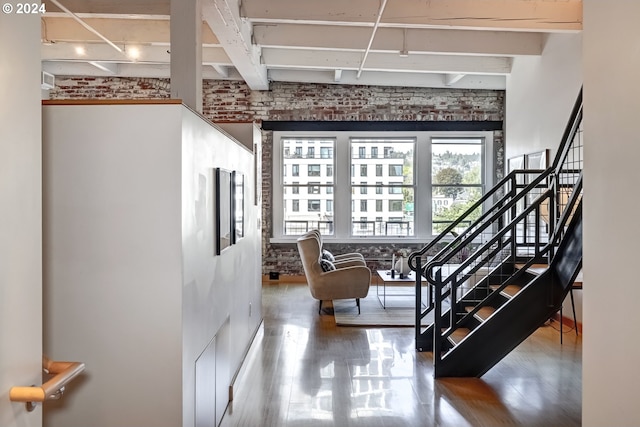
(133, 287)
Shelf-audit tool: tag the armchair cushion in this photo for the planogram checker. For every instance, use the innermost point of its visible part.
(328, 255)
(327, 265)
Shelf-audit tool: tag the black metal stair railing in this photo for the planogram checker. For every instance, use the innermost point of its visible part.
(523, 221)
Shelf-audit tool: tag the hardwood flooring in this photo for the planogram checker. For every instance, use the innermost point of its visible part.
(303, 370)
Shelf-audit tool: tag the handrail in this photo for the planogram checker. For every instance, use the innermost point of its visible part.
(52, 389)
(511, 177)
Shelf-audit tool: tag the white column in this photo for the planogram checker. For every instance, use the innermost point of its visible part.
(20, 213)
(186, 52)
(611, 43)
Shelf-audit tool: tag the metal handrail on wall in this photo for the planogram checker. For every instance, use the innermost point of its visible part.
(63, 373)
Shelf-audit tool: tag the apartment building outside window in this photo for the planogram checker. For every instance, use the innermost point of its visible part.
(452, 171)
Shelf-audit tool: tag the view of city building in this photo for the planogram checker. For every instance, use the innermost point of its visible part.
(382, 183)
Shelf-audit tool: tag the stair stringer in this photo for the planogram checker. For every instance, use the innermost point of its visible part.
(522, 315)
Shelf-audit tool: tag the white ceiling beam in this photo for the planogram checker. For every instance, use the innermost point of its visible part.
(309, 59)
(222, 70)
(234, 35)
(336, 37)
(514, 15)
(117, 30)
(378, 78)
(109, 67)
(125, 70)
(104, 53)
(451, 79)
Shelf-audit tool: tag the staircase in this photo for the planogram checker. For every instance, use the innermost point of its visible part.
(482, 297)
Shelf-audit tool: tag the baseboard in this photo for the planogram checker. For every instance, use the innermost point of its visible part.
(289, 278)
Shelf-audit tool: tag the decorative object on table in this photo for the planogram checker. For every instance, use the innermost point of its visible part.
(401, 264)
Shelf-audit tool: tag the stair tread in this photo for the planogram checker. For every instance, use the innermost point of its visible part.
(484, 312)
(458, 335)
(510, 290)
(536, 269)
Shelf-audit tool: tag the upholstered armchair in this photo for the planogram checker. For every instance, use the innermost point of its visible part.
(343, 279)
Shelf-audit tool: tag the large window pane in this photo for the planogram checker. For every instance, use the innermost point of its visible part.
(379, 200)
(456, 179)
(308, 201)
(395, 172)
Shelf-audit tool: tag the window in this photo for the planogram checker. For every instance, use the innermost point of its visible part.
(395, 170)
(307, 193)
(454, 170)
(456, 179)
(395, 206)
(401, 167)
(313, 206)
(314, 188)
(396, 188)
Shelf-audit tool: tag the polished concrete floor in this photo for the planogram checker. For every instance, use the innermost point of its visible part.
(303, 370)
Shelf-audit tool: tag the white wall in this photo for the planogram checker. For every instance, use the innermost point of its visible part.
(20, 215)
(132, 285)
(112, 262)
(216, 287)
(541, 92)
(611, 349)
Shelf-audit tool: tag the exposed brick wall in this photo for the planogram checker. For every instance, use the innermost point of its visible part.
(233, 101)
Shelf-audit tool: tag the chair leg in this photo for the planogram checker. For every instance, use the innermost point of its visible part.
(320, 307)
(358, 304)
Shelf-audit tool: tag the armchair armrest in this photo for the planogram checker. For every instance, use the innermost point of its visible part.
(344, 283)
(350, 255)
(349, 262)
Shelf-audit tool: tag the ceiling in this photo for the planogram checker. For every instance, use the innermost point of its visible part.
(421, 43)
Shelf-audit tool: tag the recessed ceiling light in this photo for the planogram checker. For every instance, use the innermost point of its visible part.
(133, 53)
(81, 51)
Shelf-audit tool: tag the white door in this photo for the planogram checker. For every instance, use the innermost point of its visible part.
(20, 214)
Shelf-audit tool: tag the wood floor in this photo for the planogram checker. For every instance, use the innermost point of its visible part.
(303, 370)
